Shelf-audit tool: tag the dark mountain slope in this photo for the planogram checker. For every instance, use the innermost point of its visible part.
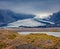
(55, 17)
(7, 16)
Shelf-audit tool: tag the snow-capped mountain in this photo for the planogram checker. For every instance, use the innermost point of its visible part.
(11, 19)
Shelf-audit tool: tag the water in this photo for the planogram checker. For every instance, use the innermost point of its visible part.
(57, 34)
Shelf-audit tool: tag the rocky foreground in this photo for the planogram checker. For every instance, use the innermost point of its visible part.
(13, 40)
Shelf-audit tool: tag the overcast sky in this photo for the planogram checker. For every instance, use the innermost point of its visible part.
(31, 6)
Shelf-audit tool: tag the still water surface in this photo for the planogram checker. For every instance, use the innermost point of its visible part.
(57, 34)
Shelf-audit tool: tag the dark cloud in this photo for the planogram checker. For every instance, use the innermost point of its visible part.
(31, 6)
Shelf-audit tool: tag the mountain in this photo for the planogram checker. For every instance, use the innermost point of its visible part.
(8, 16)
(55, 18)
(51, 21)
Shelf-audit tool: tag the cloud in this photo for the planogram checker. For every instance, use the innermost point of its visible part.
(31, 6)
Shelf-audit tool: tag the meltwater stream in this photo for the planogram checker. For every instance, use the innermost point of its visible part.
(57, 34)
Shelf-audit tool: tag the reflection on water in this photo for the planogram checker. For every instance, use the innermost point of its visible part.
(49, 33)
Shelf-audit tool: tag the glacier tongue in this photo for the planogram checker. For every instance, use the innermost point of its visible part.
(25, 22)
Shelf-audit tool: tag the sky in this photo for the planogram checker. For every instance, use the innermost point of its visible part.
(38, 7)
